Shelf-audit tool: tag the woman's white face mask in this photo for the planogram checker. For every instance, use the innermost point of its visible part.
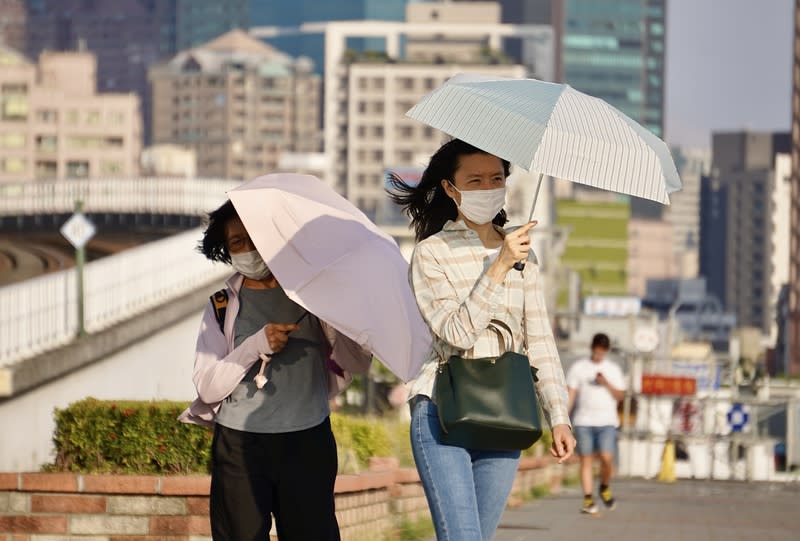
(250, 265)
(481, 206)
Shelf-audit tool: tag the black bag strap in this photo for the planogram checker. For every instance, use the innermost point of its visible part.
(219, 301)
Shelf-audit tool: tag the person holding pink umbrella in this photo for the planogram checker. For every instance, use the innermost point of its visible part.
(463, 277)
(264, 376)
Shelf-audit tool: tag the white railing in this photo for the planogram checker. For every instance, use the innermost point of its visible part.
(189, 197)
(40, 314)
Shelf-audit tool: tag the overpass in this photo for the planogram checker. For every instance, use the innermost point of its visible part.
(141, 306)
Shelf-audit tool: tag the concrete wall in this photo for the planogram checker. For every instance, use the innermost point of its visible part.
(158, 367)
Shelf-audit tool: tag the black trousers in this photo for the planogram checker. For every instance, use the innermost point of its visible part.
(288, 475)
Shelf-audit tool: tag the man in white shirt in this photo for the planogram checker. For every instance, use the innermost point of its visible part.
(596, 386)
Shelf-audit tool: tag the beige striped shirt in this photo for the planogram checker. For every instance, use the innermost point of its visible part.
(458, 308)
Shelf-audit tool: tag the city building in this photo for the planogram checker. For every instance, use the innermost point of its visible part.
(649, 254)
(53, 124)
(738, 224)
(793, 350)
(127, 36)
(597, 245)
(169, 161)
(614, 50)
(286, 19)
(683, 213)
(547, 12)
(238, 103)
(779, 238)
(13, 16)
(367, 94)
(693, 314)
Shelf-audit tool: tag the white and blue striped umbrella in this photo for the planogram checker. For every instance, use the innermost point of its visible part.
(554, 130)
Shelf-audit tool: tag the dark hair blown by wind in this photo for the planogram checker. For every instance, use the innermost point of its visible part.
(426, 203)
(213, 245)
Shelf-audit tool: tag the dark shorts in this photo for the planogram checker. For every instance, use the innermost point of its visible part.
(596, 439)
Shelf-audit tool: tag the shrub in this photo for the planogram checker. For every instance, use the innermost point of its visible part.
(132, 437)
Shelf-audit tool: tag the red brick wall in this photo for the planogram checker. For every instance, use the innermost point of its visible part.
(76, 507)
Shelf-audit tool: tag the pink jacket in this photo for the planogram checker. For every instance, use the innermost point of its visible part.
(219, 367)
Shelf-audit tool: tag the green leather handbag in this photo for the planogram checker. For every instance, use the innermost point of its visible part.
(488, 403)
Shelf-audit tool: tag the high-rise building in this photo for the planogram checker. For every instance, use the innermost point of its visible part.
(683, 213)
(548, 12)
(13, 24)
(793, 351)
(738, 224)
(53, 124)
(437, 41)
(647, 257)
(238, 103)
(127, 36)
(614, 50)
(282, 16)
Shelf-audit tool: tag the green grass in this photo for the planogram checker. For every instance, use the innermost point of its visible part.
(411, 530)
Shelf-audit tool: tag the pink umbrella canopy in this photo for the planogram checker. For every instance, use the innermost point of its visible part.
(333, 261)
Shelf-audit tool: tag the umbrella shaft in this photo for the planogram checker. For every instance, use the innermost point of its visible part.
(536, 196)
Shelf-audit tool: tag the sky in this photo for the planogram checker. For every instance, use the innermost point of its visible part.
(728, 67)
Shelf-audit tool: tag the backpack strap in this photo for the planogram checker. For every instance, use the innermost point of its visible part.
(219, 301)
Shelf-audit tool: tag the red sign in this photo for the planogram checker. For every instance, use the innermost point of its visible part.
(668, 385)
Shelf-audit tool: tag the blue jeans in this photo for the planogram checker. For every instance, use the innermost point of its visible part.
(596, 439)
(466, 489)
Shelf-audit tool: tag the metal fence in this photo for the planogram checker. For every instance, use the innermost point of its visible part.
(190, 197)
(40, 314)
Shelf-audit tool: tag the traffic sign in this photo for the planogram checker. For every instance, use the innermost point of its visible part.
(738, 417)
(78, 230)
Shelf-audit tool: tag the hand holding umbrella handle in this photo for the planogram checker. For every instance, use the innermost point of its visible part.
(520, 265)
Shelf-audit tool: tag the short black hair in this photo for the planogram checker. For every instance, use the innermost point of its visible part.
(601, 340)
(214, 245)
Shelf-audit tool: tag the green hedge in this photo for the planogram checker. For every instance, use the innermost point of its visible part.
(144, 437)
(128, 437)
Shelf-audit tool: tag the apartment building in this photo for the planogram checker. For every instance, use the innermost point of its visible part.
(53, 123)
(238, 103)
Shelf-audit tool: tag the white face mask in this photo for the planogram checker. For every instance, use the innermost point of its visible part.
(251, 265)
(481, 206)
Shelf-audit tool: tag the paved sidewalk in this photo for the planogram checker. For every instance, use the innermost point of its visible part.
(652, 511)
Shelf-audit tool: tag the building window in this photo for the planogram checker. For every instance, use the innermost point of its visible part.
(362, 131)
(73, 117)
(116, 118)
(46, 169)
(362, 83)
(362, 107)
(13, 166)
(377, 131)
(430, 83)
(110, 168)
(377, 107)
(406, 83)
(15, 107)
(46, 143)
(12, 140)
(47, 116)
(93, 118)
(77, 169)
(377, 155)
(427, 132)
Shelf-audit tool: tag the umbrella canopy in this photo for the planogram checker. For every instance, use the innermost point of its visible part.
(332, 260)
(555, 130)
